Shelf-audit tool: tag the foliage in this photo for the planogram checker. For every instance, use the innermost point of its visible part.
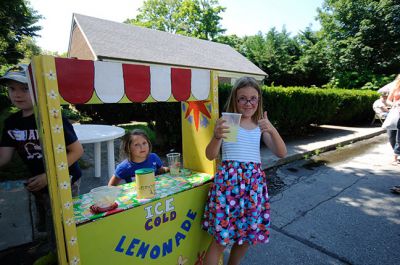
(4, 100)
(4, 114)
(161, 118)
(17, 28)
(55, 54)
(288, 61)
(293, 109)
(275, 53)
(363, 39)
(312, 68)
(71, 113)
(194, 18)
(358, 46)
(232, 40)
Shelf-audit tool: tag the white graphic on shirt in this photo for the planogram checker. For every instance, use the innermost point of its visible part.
(17, 135)
(23, 135)
(33, 150)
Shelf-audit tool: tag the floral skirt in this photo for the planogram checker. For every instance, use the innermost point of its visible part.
(237, 209)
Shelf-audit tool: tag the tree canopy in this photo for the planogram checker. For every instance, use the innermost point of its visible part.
(358, 46)
(194, 18)
(17, 28)
(363, 38)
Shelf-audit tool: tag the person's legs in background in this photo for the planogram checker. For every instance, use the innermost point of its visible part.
(393, 138)
(396, 150)
(396, 147)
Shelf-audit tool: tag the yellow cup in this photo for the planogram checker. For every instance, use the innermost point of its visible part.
(145, 183)
(233, 121)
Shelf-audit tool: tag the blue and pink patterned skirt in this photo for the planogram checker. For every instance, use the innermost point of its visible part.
(237, 209)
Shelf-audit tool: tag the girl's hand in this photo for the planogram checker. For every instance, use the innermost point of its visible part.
(220, 129)
(265, 125)
(37, 183)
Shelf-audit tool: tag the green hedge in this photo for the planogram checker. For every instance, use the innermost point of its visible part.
(296, 108)
(293, 109)
(163, 118)
(4, 100)
(290, 109)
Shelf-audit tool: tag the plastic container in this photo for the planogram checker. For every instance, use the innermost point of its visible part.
(105, 196)
(145, 183)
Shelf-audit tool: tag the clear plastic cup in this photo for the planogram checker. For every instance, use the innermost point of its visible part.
(233, 121)
(174, 164)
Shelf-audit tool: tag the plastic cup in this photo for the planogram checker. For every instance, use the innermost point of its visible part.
(174, 164)
(233, 121)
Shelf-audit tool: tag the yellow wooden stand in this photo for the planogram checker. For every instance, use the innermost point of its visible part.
(91, 242)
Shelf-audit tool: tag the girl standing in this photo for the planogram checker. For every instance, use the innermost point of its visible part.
(237, 210)
(136, 149)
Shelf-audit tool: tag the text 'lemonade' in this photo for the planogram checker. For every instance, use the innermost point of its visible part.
(233, 121)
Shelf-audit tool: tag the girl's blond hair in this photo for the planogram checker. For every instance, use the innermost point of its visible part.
(231, 104)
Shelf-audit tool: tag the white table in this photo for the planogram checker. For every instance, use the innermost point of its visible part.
(95, 133)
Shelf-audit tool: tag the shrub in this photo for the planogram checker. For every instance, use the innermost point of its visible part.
(4, 100)
(290, 109)
(293, 109)
(161, 118)
(73, 114)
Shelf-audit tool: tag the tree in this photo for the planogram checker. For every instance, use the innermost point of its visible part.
(232, 40)
(275, 53)
(312, 67)
(363, 38)
(194, 18)
(17, 28)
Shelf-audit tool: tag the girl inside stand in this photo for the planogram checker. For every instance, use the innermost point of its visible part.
(237, 209)
(136, 149)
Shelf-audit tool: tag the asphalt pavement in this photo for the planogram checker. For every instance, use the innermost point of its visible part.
(335, 208)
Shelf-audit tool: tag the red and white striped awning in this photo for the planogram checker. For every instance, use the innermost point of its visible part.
(79, 79)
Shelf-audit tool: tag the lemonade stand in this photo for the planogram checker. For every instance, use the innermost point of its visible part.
(164, 229)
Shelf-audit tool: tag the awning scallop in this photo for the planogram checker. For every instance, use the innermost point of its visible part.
(111, 81)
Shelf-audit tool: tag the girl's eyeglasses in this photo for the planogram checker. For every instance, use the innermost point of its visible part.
(244, 101)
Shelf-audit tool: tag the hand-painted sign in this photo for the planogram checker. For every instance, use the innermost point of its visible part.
(160, 232)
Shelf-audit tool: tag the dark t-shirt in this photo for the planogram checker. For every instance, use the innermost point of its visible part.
(22, 134)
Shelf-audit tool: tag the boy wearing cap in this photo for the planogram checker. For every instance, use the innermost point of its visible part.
(20, 134)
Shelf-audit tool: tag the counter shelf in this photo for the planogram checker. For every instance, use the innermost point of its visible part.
(166, 185)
